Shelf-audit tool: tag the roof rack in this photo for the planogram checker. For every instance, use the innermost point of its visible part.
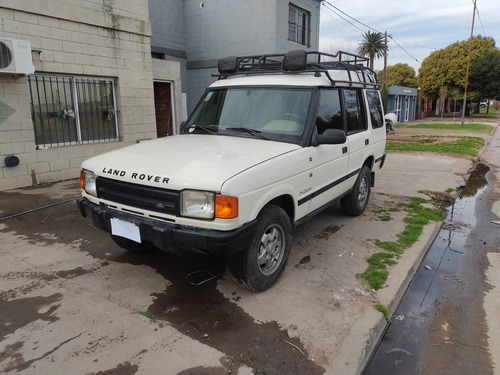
(298, 61)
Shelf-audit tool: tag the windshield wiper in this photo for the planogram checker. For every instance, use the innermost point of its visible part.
(254, 132)
(193, 127)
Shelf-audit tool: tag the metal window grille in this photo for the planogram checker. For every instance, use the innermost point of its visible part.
(299, 26)
(72, 110)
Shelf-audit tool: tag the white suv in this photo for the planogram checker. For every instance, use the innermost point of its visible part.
(275, 140)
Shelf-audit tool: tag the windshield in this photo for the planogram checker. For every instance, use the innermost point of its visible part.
(268, 113)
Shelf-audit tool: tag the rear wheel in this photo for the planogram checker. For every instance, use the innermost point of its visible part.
(259, 266)
(132, 246)
(355, 203)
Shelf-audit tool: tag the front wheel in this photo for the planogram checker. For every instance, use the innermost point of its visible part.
(259, 266)
(355, 203)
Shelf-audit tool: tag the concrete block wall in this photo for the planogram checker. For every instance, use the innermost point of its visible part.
(220, 28)
(76, 37)
(215, 29)
(167, 26)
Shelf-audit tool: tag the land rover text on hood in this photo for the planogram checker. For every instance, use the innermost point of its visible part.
(275, 140)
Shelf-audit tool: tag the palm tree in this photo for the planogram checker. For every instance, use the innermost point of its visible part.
(372, 46)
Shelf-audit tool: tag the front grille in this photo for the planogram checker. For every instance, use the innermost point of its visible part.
(139, 196)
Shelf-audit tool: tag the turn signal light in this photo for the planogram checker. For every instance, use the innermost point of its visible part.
(82, 179)
(226, 207)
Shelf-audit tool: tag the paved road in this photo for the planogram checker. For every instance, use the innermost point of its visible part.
(449, 320)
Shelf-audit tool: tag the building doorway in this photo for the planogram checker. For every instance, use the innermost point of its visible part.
(163, 108)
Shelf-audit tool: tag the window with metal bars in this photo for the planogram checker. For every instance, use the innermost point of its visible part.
(299, 25)
(72, 110)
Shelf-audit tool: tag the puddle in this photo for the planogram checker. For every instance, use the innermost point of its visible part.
(195, 307)
(407, 335)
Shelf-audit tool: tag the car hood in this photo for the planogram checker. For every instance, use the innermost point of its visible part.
(186, 161)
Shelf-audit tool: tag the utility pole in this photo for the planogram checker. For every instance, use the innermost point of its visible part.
(468, 64)
(385, 61)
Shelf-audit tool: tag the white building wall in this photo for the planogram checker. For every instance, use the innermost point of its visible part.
(76, 37)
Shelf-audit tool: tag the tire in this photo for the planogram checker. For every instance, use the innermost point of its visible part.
(355, 203)
(132, 246)
(260, 266)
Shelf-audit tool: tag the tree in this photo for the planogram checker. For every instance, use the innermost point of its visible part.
(373, 46)
(448, 66)
(399, 75)
(443, 94)
(485, 75)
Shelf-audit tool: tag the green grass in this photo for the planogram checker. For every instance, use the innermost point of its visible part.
(383, 310)
(383, 214)
(456, 126)
(492, 112)
(460, 145)
(146, 314)
(418, 216)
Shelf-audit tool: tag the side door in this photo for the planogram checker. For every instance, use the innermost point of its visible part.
(358, 135)
(329, 162)
(377, 123)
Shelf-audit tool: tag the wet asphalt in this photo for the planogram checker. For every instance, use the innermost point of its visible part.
(439, 326)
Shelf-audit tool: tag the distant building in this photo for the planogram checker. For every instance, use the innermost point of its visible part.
(402, 101)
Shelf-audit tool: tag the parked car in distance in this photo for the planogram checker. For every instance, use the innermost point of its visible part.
(484, 103)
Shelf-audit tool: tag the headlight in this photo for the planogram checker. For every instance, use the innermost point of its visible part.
(197, 204)
(87, 182)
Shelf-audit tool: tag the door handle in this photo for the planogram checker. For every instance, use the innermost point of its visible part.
(367, 142)
(344, 150)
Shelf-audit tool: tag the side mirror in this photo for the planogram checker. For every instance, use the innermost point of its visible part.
(332, 137)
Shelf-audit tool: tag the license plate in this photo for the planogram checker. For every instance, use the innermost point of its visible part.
(125, 229)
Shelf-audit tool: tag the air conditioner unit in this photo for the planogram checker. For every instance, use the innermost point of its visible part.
(15, 56)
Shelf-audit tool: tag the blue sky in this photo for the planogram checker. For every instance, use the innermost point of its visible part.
(418, 26)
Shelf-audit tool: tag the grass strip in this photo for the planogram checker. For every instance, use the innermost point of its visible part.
(460, 145)
(383, 310)
(465, 127)
(418, 216)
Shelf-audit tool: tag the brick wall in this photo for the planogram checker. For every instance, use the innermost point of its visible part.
(76, 37)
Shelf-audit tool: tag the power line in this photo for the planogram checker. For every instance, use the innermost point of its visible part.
(479, 17)
(354, 19)
(408, 53)
(346, 20)
(414, 45)
(337, 10)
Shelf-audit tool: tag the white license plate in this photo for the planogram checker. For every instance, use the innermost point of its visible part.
(125, 229)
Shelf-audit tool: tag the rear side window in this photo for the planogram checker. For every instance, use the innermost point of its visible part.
(329, 111)
(375, 109)
(354, 116)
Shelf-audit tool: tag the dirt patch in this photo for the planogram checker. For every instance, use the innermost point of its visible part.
(441, 199)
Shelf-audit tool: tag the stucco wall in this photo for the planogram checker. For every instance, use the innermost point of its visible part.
(237, 28)
(87, 38)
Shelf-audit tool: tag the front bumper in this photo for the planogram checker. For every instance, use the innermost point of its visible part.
(172, 237)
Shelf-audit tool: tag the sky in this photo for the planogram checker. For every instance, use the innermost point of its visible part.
(417, 27)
